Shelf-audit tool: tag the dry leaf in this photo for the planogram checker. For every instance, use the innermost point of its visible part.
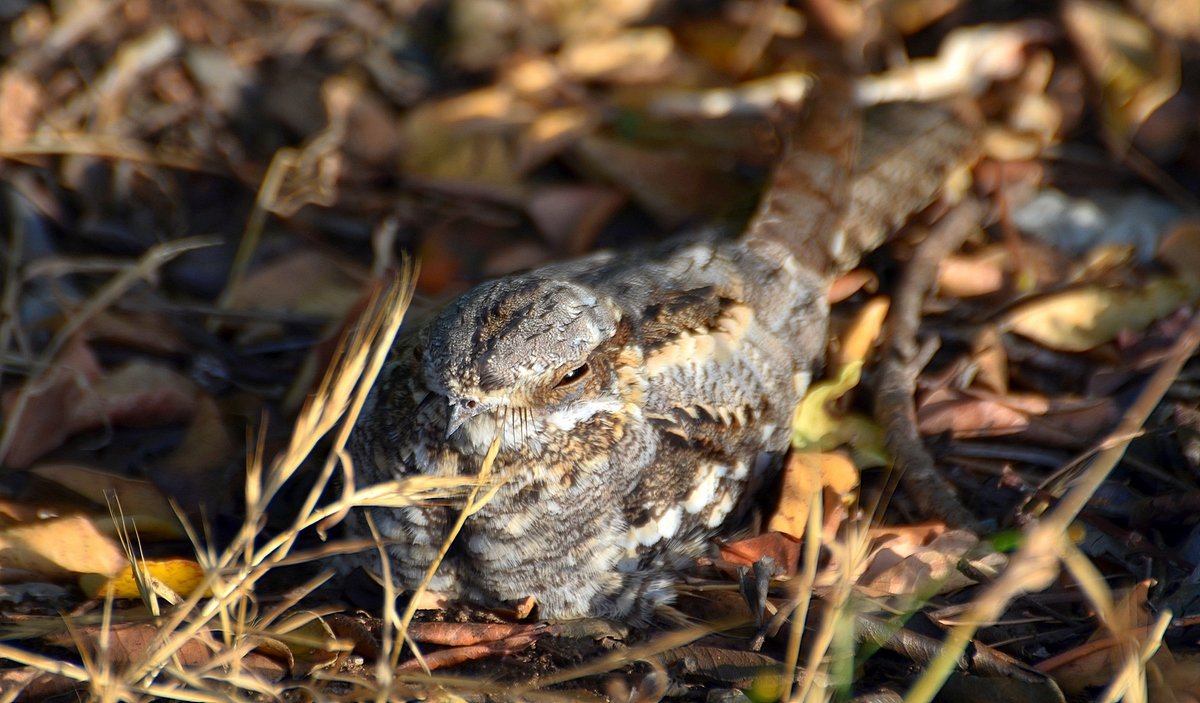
(1136, 70)
(972, 413)
(73, 396)
(918, 568)
(638, 55)
(41, 424)
(181, 576)
(134, 498)
(970, 275)
(859, 338)
(1084, 318)
(61, 548)
(570, 216)
(782, 549)
(330, 287)
(1179, 249)
(990, 359)
(804, 480)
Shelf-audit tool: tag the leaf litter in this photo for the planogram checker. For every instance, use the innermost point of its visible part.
(149, 385)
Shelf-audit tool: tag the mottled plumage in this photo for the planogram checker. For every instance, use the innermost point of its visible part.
(638, 396)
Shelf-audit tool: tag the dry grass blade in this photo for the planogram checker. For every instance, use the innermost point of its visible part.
(1034, 565)
(231, 577)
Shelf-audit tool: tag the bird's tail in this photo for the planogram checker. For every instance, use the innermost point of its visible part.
(846, 179)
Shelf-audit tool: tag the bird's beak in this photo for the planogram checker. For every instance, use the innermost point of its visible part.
(461, 410)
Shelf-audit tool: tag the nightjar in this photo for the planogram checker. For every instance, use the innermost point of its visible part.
(641, 396)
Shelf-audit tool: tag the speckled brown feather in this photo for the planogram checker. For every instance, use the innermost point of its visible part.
(636, 396)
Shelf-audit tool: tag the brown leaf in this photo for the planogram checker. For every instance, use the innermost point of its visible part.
(1065, 422)
(919, 562)
(571, 216)
(129, 643)
(637, 55)
(134, 497)
(784, 550)
(1135, 69)
(188, 473)
(672, 185)
(41, 424)
(969, 275)
(1179, 249)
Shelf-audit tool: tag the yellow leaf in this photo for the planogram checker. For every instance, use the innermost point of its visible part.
(805, 477)
(858, 339)
(1083, 318)
(815, 428)
(180, 575)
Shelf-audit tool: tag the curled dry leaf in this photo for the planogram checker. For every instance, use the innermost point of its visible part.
(921, 561)
(1083, 318)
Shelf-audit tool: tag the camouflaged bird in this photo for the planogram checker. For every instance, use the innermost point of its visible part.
(640, 397)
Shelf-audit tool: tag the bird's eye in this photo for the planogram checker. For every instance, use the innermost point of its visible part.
(572, 376)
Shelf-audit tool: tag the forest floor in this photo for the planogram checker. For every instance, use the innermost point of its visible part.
(207, 202)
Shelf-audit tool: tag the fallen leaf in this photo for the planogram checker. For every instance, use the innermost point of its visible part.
(571, 216)
(990, 359)
(782, 549)
(673, 185)
(815, 427)
(181, 576)
(850, 283)
(61, 548)
(969, 275)
(550, 133)
(973, 413)
(638, 55)
(134, 497)
(925, 566)
(187, 474)
(122, 644)
(38, 424)
(74, 395)
(804, 480)
(1135, 69)
(1179, 249)
(1083, 318)
(857, 340)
